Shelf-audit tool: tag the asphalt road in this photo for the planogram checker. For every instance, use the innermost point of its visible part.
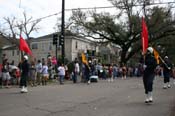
(118, 98)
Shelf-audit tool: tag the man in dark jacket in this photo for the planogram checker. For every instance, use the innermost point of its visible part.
(167, 68)
(87, 73)
(149, 73)
(24, 75)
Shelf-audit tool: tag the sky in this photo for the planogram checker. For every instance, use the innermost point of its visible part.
(42, 8)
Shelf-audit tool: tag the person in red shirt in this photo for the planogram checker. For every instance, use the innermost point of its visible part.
(110, 73)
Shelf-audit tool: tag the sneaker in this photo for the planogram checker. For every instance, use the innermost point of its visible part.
(147, 98)
(89, 82)
(165, 86)
(151, 99)
(147, 101)
(169, 86)
(25, 90)
(22, 90)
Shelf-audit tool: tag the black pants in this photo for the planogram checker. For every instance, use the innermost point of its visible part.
(23, 81)
(148, 82)
(166, 77)
(87, 77)
(75, 77)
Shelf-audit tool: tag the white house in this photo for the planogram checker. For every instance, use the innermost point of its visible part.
(74, 46)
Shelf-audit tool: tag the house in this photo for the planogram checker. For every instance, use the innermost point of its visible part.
(43, 46)
(5, 44)
(74, 45)
(109, 53)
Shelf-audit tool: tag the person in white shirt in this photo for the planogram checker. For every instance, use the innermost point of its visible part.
(38, 72)
(76, 71)
(45, 74)
(61, 73)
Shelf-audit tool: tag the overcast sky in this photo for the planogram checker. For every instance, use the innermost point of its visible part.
(41, 8)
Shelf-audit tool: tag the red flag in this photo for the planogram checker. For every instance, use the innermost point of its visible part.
(23, 46)
(144, 36)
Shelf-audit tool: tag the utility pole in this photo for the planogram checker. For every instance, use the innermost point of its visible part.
(55, 39)
(62, 32)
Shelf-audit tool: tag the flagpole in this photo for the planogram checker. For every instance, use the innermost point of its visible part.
(164, 62)
(21, 53)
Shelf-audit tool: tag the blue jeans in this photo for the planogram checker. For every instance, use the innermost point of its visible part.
(61, 79)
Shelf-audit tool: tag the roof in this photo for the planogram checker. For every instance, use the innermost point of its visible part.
(4, 42)
(68, 35)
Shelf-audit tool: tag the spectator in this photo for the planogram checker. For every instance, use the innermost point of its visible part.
(61, 73)
(124, 71)
(38, 72)
(110, 73)
(5, 73)
(76, 71)
(115, 71)
(32, 74)
(45, 74)
(173, 71)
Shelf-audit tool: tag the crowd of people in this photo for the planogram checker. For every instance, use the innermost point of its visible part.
(39, 72)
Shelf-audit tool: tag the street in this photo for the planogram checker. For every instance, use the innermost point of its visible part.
(118, 98)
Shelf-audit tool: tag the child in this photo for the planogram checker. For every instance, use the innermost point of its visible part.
(45, 74)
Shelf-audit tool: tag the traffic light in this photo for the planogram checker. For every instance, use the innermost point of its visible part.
(55, 38)
(61, 40)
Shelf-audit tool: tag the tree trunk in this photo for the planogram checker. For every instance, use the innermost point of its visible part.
(123, 56)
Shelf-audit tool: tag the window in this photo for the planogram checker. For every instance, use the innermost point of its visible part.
(42, 46)
(45, 46)
(50, 46)
(13, 52)
(35, 46)
(76, 45)
(17, 52)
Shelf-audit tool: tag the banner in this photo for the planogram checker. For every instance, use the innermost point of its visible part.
(144, 36)
(84, 60)
(23, 46)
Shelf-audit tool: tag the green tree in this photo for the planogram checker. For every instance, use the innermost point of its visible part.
(124, 28)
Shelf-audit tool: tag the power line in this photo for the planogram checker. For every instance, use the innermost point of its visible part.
(94, 8)
(106, 7)
(103, 7)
